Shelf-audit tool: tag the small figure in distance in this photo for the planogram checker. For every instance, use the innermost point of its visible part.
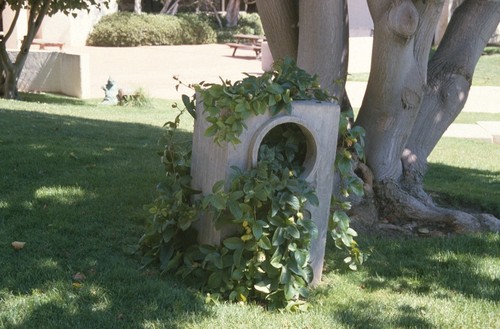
(110, 93)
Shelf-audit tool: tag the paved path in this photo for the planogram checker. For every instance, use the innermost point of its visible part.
(153, 69)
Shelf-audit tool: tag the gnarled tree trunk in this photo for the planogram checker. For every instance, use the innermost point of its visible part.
(409, 101)
(407, 108)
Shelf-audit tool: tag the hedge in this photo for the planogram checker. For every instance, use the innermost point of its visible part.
(129, 29)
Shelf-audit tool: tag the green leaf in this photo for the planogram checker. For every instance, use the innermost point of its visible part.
(166, 252)
(276, 259)
(263, 287)
(301, 257)
(264, 243)
(310, 226)
(356, 186)
(294, 202)
(290, 291)
(343, 165)
(312, 198)
(278, 237)
(351, 232)
(211, 131)
(214, 280)
(218, 201)
(293, 231)
(190, 106)
(218, 186)
(184, 222)
(237, 257)
(237, 275)
(168, 233)
(285, 275)
(275, 89)
(257, 230)
(174, 263)
(233, 243)
(234, 208)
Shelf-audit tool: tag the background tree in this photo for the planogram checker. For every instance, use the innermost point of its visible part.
(232, 13)
(409, 102)
(138, 6)
(37, 10)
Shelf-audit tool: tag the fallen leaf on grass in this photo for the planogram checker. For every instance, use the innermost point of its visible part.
(18, 245)
(79, 276)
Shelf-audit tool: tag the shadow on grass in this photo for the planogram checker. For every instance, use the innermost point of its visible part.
(73, 189)
(441, 267)
(474, 189)
(406, 316)
(52, 99)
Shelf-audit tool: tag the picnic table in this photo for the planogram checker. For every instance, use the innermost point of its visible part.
(248, 42)
(47, 43)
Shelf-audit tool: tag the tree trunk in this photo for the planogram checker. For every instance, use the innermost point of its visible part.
(449, 81)
(12, 69)
(280, 20)
(409, 102)
(320, 53)
(232, 13)
(169, 7)
(405, 113)
(138, 6)
(401, 43)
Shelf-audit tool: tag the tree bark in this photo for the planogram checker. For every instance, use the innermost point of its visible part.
(280, 21)
(402, 36)
(232, 13)
(13, 69)
(409, 101)
(450, 75)
(169, 7)
(138, 6)
(405, 113)
(323, 43)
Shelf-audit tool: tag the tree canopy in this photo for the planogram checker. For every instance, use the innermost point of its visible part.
(37, 11)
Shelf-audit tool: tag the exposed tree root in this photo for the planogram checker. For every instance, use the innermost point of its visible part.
(395, 209)
(398, 207)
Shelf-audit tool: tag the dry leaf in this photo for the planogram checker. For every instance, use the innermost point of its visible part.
(79, 276)
(18, 245)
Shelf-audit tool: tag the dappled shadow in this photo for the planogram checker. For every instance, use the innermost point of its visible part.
(405, 316)
(73, 189)
(442, 267)
(464, 188)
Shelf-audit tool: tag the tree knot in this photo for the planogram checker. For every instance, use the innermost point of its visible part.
(403, 19)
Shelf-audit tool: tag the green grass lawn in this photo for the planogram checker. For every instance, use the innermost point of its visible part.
(74, 177)
(486, 73)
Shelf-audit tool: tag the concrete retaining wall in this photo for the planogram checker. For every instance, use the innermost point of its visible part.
(56, 72)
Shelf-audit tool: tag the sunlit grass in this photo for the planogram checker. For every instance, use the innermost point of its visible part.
(64, 195)
(486, 73)
(73, 181)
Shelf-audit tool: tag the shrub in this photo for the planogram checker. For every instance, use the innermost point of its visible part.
(131, 30)
(197, 29)
(247, 24)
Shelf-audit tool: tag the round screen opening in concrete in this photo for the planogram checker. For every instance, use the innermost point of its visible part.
(291, 146)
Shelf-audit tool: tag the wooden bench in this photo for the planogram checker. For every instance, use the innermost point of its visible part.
(44, 43)
(247, 42)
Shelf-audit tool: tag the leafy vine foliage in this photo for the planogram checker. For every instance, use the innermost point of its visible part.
(267, 258)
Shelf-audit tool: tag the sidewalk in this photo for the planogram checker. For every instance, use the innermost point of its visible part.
(153, 69)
